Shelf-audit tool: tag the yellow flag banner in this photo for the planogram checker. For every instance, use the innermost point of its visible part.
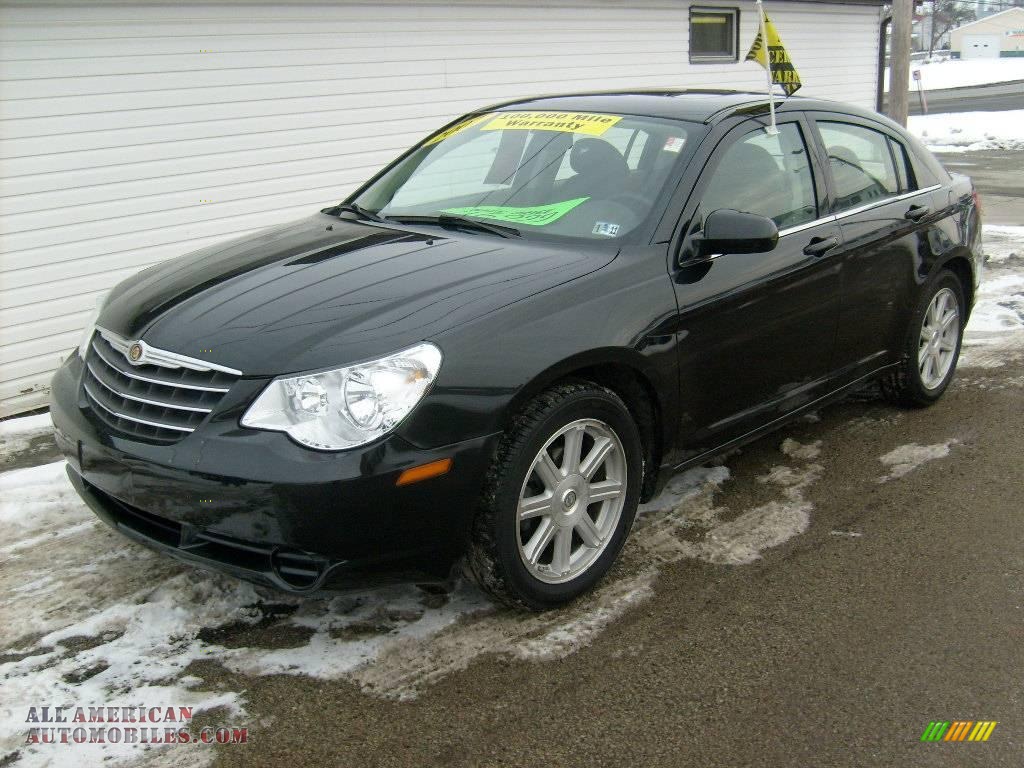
(782, 69)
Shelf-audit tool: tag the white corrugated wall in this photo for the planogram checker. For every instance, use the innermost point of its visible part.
(134, 132)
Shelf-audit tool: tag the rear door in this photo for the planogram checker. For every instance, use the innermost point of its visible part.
(884, 218)
(756, 330)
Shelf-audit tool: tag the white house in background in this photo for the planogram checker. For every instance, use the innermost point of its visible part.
(132, 132)
(1001, 34)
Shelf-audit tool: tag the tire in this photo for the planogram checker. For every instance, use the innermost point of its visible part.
(515, 560)
(912, 384)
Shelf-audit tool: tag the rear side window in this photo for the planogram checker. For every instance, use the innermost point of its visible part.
(767, 175)
(861, 164)
(904, 173)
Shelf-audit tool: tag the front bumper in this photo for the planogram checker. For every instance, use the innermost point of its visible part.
(258, 506)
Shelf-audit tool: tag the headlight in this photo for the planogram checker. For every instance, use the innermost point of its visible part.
(90, 327)
(343, 408)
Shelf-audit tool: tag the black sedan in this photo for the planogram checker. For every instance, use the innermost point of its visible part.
(513, 334)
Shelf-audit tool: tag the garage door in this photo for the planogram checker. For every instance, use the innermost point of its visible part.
(980, 47)
(131, 133)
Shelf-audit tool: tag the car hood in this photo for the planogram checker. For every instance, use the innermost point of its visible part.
(325, 291)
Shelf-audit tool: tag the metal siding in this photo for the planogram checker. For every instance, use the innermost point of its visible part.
(132, 133)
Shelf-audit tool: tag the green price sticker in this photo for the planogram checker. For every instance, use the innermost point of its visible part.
(534, 215)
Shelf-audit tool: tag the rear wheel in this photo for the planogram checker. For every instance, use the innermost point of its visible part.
(932, 345)
(559, 498)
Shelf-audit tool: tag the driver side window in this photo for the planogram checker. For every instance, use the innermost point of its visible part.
(766, 174)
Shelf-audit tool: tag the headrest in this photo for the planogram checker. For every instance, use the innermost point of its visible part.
(754, 162)
(594, 157)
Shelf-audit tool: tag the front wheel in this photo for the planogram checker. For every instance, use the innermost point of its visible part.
(932, 345)
(559, 499)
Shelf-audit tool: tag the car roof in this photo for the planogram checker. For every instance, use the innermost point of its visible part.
(700, 105)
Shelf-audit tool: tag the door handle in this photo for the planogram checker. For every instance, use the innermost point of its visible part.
(819, 246)
(917, 212)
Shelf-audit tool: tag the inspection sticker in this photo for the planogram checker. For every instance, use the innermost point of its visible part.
(534, 215)
(606, 228)
(673, 144)
(566, 122)
(457, 128)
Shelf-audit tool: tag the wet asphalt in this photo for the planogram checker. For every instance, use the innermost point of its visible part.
(976, 98)
(999, 177)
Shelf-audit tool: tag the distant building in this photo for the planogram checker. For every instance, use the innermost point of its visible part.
(1001, 34)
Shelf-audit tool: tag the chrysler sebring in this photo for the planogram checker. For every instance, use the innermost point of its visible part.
(491, 352)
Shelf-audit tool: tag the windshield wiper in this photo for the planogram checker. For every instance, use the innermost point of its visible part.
(359, 211)
(450, 221)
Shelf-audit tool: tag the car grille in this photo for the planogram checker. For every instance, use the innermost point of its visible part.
(161, 400)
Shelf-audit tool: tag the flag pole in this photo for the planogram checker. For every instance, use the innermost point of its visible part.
(771, 130)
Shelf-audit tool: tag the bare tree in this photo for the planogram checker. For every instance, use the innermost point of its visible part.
(947, 15)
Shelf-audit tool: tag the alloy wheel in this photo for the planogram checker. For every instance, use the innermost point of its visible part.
(940, 329)
(571, 501)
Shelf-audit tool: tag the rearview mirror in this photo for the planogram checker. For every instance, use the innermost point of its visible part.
(729, 231)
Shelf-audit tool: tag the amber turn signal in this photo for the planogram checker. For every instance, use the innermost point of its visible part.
(424, 472)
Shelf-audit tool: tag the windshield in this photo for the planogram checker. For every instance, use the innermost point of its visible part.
(562, 174)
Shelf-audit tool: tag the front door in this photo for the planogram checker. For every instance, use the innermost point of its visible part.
(756, 331)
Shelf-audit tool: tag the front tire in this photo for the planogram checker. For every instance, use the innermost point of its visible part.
(559, 499)
(932, 344)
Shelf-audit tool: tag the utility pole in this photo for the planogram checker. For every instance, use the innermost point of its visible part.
(899, 62)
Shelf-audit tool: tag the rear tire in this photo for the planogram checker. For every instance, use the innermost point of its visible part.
(539, 538)
(932, 344)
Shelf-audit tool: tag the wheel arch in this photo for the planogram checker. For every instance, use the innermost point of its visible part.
(628, 375)
(963, 269)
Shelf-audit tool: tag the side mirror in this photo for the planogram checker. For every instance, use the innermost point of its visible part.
(729, 231)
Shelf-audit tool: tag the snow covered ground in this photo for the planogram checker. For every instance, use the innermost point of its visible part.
(960, 131)
(957, 73)
(996, 327)
(90, 618)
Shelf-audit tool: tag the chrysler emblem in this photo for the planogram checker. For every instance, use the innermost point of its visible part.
(135, 352)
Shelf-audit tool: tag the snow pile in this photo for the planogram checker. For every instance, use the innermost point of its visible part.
(958, 73)
(1002, 243)
(999, 308)
(25, 427)
(16, 435)
(795, 450)
(905, 459)
(736, 541)
(970, 131)
(742, 540)
(996, 327)
(90, 619)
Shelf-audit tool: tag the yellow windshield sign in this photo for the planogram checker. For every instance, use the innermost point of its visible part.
(566, 122)
(457, 128)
